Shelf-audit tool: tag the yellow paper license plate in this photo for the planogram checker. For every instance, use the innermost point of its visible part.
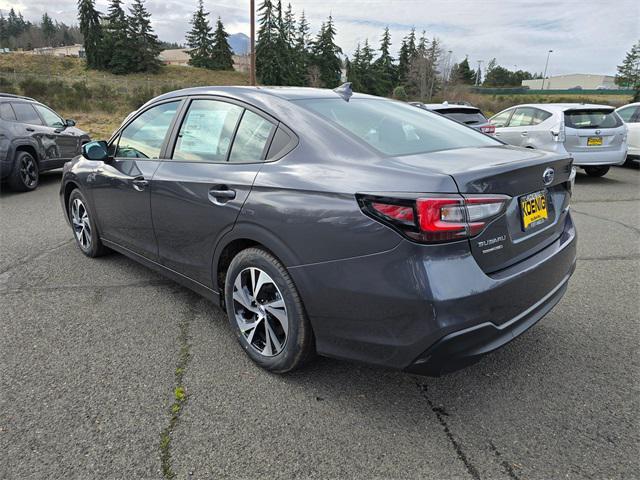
(594, 141)
(534, 209)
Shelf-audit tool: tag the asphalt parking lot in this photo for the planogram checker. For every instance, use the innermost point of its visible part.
(89, 351)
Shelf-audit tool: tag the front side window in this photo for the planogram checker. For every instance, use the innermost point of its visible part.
(627, 114)
(501, 119)
(50, 118)
(143, 138)
(251, 139)
(207, 131)
(25, 113)
(395, 128)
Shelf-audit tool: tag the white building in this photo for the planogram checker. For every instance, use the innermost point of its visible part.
(578, 81)
(76, 50)
(180, 56)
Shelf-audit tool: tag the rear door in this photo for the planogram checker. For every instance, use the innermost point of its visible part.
(198, 192)
(67, 140)
(501, 122)
(517, 131)
(593, 130)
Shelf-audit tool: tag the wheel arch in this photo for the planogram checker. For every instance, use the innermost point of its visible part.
(246, 236)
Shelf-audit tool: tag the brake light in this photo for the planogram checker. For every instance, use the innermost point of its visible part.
(436, 219)
(488, 129)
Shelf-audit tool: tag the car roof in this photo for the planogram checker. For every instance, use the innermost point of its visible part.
(563, 107)
(253, 93)
(634, 104)
(11, 96)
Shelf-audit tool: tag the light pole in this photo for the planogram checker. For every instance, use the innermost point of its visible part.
(544, 76)
(252, 60)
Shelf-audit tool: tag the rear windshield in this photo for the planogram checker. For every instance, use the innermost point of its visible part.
(468, 116)
(395, 128)
(591, 118)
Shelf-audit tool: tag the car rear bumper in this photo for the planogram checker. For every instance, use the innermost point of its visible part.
(429, 309)
(586, 159)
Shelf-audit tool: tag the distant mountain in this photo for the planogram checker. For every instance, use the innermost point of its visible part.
(239, 43)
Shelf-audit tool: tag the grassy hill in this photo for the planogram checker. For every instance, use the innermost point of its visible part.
(97, 100)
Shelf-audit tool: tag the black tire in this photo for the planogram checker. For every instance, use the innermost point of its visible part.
(81, 219)
(596, 171)
(25, 174)
(298, 346)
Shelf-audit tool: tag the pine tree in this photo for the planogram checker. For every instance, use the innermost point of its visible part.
(48, 28)
(301, 51)
(4, 34)
(117, 43)
(222, 54)
(462, 73)
(284, 54)
(353, 69)
(326, 55)
(407, 52)
(384, 66)
(91, 30)
(628, 75)
(268, 68)
(146, 47)
(200, 39)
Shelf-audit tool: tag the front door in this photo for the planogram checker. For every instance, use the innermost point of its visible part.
(197, 195)
(67, 140)
(120, 188)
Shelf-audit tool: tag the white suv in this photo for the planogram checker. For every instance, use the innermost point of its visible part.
(594, 135)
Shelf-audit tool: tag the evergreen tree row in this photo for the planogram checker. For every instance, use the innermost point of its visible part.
(16, 32)
(207, 49)
(119, 42)
(287, 55)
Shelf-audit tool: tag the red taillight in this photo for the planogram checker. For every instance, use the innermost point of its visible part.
(441, 218)
(488, 129)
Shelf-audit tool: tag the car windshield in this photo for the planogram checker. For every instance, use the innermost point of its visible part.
(591, 119)
(468, 116)
(395, 128)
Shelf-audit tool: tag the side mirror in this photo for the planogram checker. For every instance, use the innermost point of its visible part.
(69, 123)
(95, 151)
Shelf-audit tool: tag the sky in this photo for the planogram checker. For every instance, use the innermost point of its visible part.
(586, 36)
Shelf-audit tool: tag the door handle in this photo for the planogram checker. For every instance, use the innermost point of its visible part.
(221, 194)
(139, 183)
(29, 129)
(524, 134)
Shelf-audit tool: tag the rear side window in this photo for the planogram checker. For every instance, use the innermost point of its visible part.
(207, 131)
(468, 116)
(395, 128)
(522, 117)
(501, 119)
(143, 138)
(6, 112)
(591, 118)
(25, 113)
(251, 139)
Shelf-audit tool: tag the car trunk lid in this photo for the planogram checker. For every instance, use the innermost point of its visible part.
(592, 129)
(517, 173)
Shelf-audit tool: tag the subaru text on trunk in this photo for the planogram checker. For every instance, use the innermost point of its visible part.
(333, 223)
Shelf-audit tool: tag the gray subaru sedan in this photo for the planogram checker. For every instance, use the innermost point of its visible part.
(332, 223)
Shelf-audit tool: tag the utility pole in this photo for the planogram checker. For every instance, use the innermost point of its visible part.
(544, 76)
(252, 62)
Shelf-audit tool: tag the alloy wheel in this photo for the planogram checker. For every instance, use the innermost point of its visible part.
(260, 311)
(28, 171)
(81, 225)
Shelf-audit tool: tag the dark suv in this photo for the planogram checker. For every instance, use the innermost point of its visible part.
(33, 139)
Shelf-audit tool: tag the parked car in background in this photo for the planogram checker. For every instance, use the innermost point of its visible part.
(594, 135)
(33, 139)
(630, 115)
(466, 114)
(335, 223)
